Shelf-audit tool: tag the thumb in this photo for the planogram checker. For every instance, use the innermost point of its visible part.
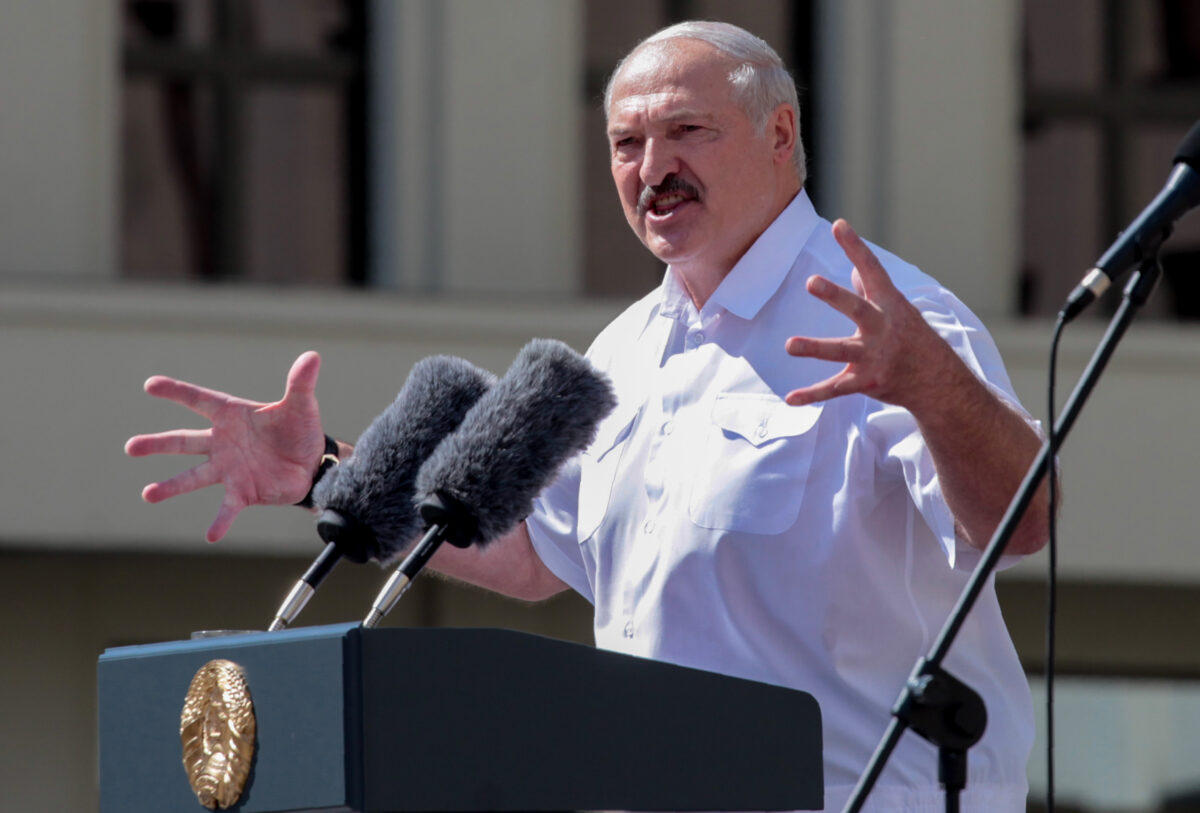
(302, 378)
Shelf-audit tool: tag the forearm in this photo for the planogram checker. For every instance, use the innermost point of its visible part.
(982, 449)
(508, 565)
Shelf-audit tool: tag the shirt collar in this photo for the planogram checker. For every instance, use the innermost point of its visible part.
(761, 270)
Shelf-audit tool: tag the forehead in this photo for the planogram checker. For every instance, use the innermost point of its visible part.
(663, 76)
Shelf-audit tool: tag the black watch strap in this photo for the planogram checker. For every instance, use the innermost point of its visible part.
(328, 461)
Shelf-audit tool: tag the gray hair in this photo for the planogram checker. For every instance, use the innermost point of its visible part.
(761, 81)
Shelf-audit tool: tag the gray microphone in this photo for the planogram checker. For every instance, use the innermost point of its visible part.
(482, 479)
(367, 501)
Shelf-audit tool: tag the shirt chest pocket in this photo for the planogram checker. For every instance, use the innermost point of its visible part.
(598, 468)
(753, 462)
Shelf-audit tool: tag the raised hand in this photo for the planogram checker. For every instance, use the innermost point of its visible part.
(894, 355)
(263, 454)
(981, 446)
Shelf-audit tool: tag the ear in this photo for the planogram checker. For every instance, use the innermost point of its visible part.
(781, 129)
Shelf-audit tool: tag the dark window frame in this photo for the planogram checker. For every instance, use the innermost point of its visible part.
(1120, 103)
(230, 67)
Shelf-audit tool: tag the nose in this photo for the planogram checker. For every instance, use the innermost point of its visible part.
(659, 160)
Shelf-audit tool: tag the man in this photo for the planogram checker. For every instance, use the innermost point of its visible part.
(796, 510)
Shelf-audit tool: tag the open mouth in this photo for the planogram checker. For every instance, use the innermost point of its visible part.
(666, 204)
(663, 200)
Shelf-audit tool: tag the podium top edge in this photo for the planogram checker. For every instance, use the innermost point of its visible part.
(247, 639)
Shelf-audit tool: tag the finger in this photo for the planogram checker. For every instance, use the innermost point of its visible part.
(857, 281)
(302, 378)
(841, 384)
(844, 350)
(847, 302)
(226, 514)
(200, 400)
(874, 275)
(195, 478)
(176, 441)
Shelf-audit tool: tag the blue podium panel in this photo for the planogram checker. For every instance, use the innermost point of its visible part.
(382, 721)
(296, 680)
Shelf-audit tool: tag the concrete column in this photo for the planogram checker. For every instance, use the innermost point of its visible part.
(58, 91)
(476, 136)
(920, 139)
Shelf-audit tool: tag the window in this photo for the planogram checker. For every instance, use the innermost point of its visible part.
(243, 140)
(1111, 87)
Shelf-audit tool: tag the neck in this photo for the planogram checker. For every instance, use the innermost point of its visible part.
(700, 283)
(700, 278)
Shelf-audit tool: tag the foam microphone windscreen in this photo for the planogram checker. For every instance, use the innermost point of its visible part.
(513, 441)
(371, 493)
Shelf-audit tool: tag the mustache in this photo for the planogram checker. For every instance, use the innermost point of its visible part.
(671, 184)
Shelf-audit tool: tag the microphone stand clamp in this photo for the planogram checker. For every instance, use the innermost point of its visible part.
(949, 714)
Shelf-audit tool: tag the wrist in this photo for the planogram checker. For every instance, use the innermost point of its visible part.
(940, 385)
(328, 460)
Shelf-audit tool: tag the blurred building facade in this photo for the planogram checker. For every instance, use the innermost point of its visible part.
(207, 188)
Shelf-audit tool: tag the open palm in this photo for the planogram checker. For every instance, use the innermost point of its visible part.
(262, 453)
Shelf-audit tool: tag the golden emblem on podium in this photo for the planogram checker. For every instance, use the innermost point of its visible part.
(217, 728)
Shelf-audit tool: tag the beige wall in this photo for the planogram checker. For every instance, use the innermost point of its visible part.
(81, 358)
(1128, 465)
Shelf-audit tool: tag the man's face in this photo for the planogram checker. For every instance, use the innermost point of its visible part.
(696, 181)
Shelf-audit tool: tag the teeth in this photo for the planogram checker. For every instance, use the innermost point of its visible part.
(667, 202)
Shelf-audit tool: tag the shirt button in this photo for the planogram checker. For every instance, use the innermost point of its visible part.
(697, 338)
(628, 629)
(761, 431)
(668, 427)
(648, 527)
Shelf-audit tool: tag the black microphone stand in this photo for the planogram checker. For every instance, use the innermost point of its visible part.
(447, 520)
(933, 703)
(334, 527)
(303, 590)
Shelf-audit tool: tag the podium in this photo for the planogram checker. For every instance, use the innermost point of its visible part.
(380, 720)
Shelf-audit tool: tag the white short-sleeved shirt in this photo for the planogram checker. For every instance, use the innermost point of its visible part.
(714, 526)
